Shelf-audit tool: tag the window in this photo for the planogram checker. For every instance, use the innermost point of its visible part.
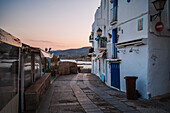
(37, 66)
(113, 11)
(9, 60)
(27, 71)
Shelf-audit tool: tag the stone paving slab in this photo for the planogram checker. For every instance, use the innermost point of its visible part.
(85, 93)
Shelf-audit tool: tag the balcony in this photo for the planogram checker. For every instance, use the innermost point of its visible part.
(91, 39)
(91, 50)
(102, 42)
(113, 15)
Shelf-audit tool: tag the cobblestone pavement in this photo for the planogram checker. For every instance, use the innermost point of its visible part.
(85, 93)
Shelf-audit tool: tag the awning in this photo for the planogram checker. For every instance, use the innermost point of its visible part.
(113, 60)
(101, 54)
(46, 54)
(94, 58)
(9, 39)
(137, 42)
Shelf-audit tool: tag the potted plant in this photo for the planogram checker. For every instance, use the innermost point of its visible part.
(111, 1)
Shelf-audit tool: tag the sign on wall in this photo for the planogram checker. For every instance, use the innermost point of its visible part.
(159, 26)
(140, 24)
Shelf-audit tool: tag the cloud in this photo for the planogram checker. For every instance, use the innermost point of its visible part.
(48, 44)
(41, 41)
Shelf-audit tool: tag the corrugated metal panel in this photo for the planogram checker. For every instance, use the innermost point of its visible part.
(9, 39)
(45, 54)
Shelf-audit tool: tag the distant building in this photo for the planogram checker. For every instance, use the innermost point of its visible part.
(136, 45)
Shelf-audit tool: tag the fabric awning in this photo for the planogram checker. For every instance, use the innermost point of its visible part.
(45, 54)
(101, 54)
(94, 58)
(9, 39)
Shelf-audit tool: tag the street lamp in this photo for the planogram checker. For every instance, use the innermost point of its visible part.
(159, 6)
(99, 32)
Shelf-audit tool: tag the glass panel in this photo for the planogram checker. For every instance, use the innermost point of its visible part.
(9, 60)
(37, 66)
(27, 71)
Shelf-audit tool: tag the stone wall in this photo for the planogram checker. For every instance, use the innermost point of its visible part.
(85, 70)
(36, 91)
(66, 68)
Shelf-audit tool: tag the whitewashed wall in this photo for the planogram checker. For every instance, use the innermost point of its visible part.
(159, 65)
(129, 30)
(108, 82)
(133, 9)
(134, 64)
(159, 54)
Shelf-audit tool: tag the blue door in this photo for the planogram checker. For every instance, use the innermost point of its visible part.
(115, 75)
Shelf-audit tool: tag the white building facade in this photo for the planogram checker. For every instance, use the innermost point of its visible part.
(135, 45)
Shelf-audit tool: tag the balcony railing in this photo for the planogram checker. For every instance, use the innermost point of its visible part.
(102, 42)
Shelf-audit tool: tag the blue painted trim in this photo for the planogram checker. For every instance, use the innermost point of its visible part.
(97, 38)
(49, 63)
(114, 40)
(103, 78)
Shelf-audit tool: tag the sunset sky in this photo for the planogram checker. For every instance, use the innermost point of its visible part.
(59, 24)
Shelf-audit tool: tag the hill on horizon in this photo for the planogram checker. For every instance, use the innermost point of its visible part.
(72, 53)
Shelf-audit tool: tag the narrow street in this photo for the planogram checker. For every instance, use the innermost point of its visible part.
(85, 93)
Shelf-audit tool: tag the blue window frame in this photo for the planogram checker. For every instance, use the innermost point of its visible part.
(114, 41)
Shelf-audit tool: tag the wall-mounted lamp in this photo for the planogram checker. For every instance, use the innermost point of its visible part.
(128, 1)
(122, 50)
(135, 50)
(159, 6)
(99, 32)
